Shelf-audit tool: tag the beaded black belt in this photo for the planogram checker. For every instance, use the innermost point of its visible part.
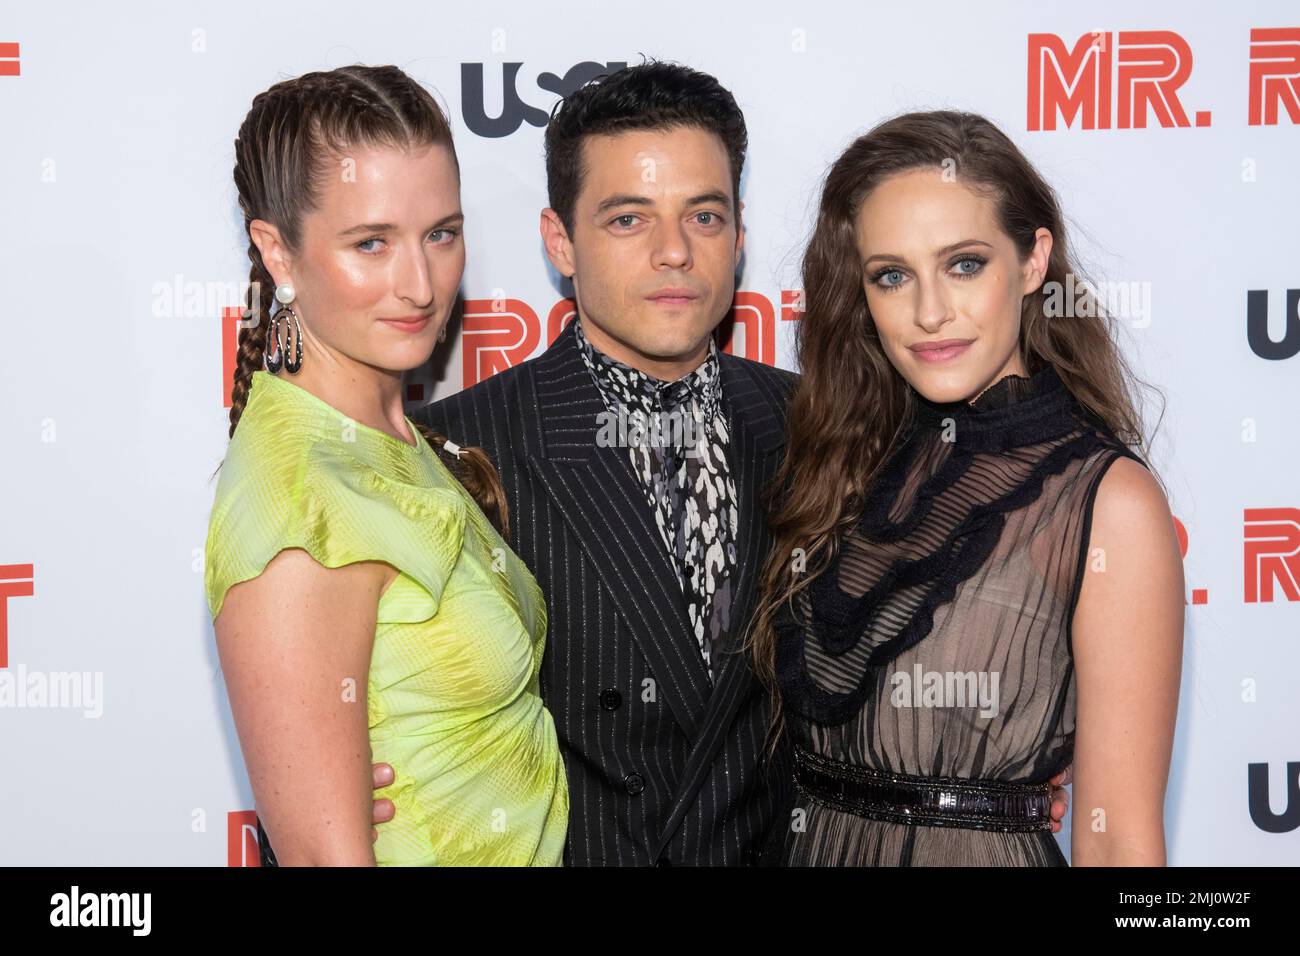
(926, 801)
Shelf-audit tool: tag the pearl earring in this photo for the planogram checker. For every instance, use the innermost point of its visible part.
(284, 294)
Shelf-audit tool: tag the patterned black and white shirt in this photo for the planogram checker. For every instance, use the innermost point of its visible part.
(677, 437)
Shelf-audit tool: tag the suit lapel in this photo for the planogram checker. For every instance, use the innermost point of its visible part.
(757, 438)
(598, 495)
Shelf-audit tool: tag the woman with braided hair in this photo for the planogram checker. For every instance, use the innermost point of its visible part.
(366, 605)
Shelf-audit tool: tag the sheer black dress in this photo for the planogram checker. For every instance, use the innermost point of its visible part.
(935, 652)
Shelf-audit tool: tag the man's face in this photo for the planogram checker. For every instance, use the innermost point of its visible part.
(654, 248)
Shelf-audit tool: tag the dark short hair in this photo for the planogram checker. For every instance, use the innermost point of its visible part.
(649, 96)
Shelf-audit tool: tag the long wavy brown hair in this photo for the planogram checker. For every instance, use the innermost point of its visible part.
(293, 136)
(851, 406)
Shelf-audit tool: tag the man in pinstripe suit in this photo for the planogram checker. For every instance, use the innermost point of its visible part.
(648, 554)
(649, 560)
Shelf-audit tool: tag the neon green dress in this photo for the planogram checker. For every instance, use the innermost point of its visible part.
(452, 693)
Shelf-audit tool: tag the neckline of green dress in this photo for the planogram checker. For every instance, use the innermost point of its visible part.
(289, 389)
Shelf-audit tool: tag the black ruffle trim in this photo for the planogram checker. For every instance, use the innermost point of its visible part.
(840, 619)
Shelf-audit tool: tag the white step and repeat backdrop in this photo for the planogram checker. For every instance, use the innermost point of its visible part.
(1171, 130)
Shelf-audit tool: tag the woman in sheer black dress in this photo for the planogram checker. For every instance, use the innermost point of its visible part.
(977, 581)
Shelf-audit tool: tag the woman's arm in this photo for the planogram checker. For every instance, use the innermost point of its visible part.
(295, 645)
(1128, 649)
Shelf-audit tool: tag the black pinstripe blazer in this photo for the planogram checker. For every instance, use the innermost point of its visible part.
(662, 767)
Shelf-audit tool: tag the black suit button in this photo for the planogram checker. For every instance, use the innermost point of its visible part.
(634, 783)
(610, 699)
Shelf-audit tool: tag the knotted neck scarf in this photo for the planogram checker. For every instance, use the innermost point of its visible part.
(678, 442)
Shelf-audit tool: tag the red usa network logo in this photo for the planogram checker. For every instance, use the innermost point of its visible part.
(9, 62)
(1199, 595)
(16, 580)
(1145, 69)
(500, 333)
(497, 334)
(1272, 553)
(241, 839)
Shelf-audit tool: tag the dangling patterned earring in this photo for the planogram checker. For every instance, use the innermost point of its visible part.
(442, 333)
(274, 333)
(293, 366)
(285, 294)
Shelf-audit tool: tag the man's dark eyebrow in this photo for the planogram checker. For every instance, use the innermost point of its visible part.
(623, 200)
(938, 255)
(372, 227)
(714, 196)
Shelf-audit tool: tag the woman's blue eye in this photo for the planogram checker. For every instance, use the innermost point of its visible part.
(440, 237)
(974, 261)
(889, 272)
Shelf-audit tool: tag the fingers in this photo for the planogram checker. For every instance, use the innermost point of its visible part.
(1064, 778)
(1060, 807)
(381, 810)
(1060, 797)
